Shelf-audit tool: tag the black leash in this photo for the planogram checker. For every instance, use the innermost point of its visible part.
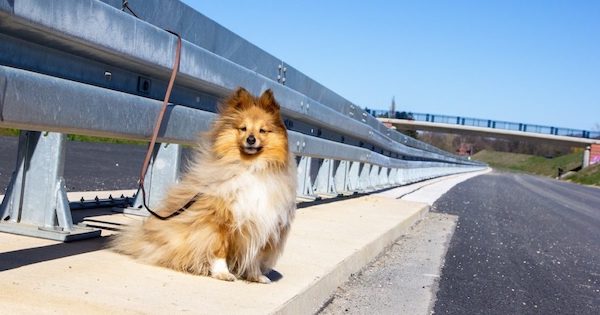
(176, 213)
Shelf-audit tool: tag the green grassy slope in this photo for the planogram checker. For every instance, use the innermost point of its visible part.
(540, 165)
(588, 176)
(529, 163)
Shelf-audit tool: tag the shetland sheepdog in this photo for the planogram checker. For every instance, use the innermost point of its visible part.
(243, 179)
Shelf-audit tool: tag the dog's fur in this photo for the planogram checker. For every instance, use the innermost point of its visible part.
(239, 223)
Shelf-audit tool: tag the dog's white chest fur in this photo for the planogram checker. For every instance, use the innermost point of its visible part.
(260, 198)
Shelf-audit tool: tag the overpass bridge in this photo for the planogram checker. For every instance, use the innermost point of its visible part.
(491, 128)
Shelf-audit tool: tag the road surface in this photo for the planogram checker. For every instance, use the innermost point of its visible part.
(522, 245)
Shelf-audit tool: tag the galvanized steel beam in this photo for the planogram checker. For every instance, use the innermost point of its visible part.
(120, 45)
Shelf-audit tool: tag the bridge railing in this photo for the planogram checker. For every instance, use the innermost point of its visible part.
(488, 123)
(86, 67)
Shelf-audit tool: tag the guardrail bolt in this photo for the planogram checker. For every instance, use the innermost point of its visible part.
(107, 75)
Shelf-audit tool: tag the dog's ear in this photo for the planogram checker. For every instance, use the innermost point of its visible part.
(237, 100)
(268, 102)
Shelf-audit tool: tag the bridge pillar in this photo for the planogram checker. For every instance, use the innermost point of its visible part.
(586, 156)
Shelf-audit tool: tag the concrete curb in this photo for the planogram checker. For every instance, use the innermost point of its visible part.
(314, 296)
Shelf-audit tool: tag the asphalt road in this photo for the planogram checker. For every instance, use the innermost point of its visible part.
(523, 245)
(88, 166)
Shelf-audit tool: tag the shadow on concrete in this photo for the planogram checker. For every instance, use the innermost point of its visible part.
(322, 201)
(30, 256)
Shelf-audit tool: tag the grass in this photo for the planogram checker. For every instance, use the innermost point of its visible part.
(587, 176)
(540, 165)
(80, 138)
(530, 163)
(9, 132)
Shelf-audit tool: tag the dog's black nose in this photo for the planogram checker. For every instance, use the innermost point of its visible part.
(251, 140)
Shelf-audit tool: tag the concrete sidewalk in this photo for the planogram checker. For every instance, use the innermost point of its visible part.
(328, 242)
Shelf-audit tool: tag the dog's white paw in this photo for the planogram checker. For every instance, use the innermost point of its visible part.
(260, 279)
(220, 271)
(225, 276)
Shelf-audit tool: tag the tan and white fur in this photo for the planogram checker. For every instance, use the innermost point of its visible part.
(244, 178)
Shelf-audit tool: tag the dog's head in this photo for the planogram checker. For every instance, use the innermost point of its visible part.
(251, 129)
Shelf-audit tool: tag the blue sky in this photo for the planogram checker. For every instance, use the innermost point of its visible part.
(524, 61)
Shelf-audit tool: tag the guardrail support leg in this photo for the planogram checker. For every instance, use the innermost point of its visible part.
(342, 177)
(364, 180)
(383, 177)
(374, 176)
(36, 201)
(324, 183)
(354, 176)
(305, 184)
(162, 172)
(393, 177)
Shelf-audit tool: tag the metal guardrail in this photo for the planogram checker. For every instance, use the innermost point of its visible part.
(488, 123)
(85, 67)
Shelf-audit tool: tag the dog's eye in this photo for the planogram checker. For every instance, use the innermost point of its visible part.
(262, 130)
(243, 129)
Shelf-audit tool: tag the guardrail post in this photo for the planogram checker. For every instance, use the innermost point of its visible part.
(374, 176)
(354, 176)
(401, 176)
(162, 172)
(341, 177)
(411, 175)
(383, 177)
(393, 177)
(324, 183)
(364, 179)
(36, 201)
(305, 183)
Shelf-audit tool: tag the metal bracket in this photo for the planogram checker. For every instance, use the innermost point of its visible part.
(36, 201)
(162, 172)
(281, 73)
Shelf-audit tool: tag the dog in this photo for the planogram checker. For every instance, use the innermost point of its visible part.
(243, 178)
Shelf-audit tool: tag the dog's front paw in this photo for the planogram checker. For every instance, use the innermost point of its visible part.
(260, 279)
(225, 276)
